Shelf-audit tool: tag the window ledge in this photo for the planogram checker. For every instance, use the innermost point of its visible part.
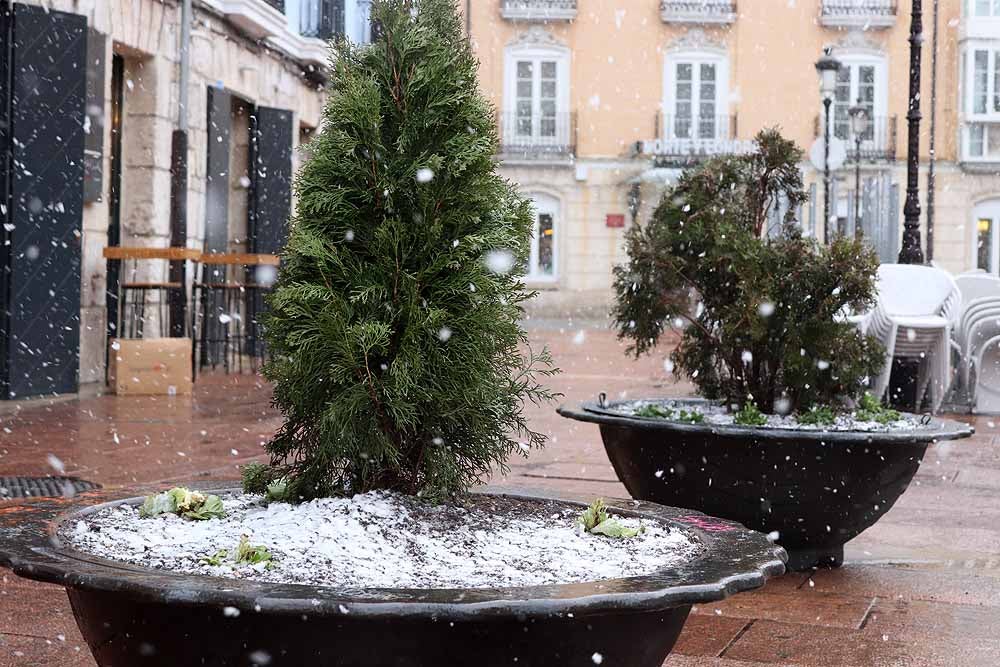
(254, 17)
(980, 165)
(864, 21)
(536, 10)
(307, 50)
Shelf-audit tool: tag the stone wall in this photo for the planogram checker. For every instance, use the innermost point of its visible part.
(146, 34)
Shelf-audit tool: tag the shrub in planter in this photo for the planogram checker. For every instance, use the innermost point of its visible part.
(401, 369)
(787, 420)
(764, 330)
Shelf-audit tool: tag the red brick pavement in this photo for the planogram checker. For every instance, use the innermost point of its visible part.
(921, 588)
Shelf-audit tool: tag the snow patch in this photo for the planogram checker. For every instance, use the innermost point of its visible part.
(386, 540)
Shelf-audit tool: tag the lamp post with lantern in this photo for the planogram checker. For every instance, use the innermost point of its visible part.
(860, 124)
(827, 67)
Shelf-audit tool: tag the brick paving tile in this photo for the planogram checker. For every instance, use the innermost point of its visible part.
(709, 635)
(920, 589)
(803, 606)
(770, 642)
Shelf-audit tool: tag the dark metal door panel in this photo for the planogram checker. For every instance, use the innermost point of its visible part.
(272, 179)
(270, 204)
(220, 125)
(46, 81)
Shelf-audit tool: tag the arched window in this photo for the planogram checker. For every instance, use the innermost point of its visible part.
(862, 81)
(986, 220)
(695, 95)
(536, 102)
(543, 259)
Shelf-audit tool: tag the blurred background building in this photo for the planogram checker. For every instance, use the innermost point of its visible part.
(602, 102)
(600, 105)
(91, 100)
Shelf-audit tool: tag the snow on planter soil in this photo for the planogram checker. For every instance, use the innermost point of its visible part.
(384, 540)
(718, 415)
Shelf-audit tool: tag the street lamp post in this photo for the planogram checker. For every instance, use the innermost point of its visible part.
(827, 67)
(910, 252)
(903, 389)
(860, 123)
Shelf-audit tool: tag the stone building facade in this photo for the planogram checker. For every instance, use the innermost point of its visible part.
(247, 57)
(601, 103)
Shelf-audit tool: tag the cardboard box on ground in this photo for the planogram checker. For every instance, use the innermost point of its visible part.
(150, 366)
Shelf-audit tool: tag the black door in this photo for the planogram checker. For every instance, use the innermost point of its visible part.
(270, 204)
(42, 93)
(271, 198)
(115, 202)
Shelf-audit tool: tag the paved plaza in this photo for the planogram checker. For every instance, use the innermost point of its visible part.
(922, 587)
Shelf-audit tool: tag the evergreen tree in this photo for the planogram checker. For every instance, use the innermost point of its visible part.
(398, 359)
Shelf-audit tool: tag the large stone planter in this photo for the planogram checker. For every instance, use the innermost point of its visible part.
(817, 489)
(136, 616)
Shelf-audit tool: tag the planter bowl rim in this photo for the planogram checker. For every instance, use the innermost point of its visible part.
(591, 411)
(732, 559)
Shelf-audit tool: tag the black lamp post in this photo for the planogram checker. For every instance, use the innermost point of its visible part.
(910, 252)
(827, 67)
(860, 122)
(904, 374)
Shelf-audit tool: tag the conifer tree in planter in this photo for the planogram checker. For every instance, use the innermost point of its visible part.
(779, 445)
(398, 366)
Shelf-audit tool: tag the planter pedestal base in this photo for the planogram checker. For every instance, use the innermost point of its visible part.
(122, 631)
(807, 559)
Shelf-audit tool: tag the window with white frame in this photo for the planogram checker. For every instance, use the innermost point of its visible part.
(542, 260)
(984, 8)
(987, 239)
(981, 102)
(695, 88)
(536, 97)
(862, 82)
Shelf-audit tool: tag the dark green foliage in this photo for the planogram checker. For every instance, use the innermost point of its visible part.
(764, 327)
(818, 416)
(398, 358)
(750, 415)
(871, 410)
(654, 411)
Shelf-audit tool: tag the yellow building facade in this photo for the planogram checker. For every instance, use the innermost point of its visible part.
(601, 103)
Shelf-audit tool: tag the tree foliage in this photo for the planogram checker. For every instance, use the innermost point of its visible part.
(765, 329)
(398, 359)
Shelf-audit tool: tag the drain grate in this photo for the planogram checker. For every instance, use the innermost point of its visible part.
(43, 487)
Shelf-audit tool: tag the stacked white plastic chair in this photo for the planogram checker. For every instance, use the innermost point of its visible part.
(918, 306)
(977, 341)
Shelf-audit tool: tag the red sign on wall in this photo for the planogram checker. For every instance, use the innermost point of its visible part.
(615, 220)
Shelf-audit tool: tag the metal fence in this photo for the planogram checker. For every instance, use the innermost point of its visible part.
(322, 19)
(538, 136)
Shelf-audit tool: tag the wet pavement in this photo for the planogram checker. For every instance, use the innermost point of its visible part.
(920, 588)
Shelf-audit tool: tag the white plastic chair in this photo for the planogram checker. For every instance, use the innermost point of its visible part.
(978, 324)
(917, 308)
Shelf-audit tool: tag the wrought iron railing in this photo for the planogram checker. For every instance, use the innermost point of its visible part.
(858, 12)
(322, 19)
(537, 136)
(878, 144)
(698, 11)
(540, 10)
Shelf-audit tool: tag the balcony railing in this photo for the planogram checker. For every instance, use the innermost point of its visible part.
(277, 4)
(685, 140)
(537, 137)
(878, 145)
(858, 13)
(698, 11)
(538, 10)
(322, 19)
